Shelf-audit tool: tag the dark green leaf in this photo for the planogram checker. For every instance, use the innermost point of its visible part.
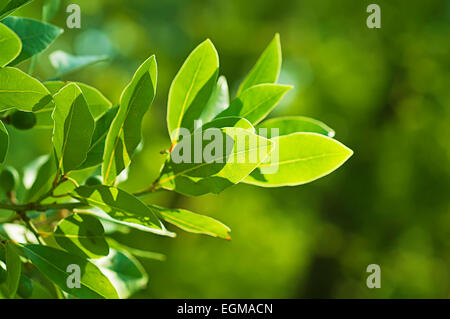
(13, 269)
(53, 264)
(9, 7)
(36, 36)
(82, 235)
(125, 133)
(41, 174)
(118, 204)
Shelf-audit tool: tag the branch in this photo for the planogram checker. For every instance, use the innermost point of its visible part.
(41, 207)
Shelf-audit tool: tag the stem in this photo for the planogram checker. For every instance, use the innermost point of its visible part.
(30, 225)
(154, 187)
(41, 207)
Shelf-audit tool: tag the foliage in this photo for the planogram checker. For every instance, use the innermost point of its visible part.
(63, 202)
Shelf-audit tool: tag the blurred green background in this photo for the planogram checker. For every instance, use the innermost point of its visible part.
(385, 92)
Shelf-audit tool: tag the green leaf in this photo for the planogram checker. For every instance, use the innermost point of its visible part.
(302, 158)
(49, 9)
(53, 264)
(13, 269)
(11, 45)
(266, 69)
(124, 271)
(191, 88)
(118, 204)
(238, 152)
(192, 222)
(4, 142)
(232, 121)
(21, 91)
(218, 101)
(11, 6)
(97, 147)
(65, 63)
(39, 180)
(255, 103)
(73, 128)
(17, 233)
(293, 124)
(134, 251)
(82, 235)
(125, 133)
(36, 36)
(97, 102)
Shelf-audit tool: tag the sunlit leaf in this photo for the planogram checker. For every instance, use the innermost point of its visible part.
(192, 87)
(293, 124)
(125, 133)
(10, 44)
(21, 91)
(239, 151)
(266, 69)
(255, 103)
(73, 129)
(299, 158)
(191, 222)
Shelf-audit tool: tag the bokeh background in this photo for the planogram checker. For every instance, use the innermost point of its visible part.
(385, 92)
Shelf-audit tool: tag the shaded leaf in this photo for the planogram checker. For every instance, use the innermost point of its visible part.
(41, 174)
(293, 124)
(124, 271)
(266, 69)
(21, 91)
(299, 158)
(65, 63)
(97, 147)
(36, 36)
(82, 235)
(125, 133)
(239, 151)
(191, 88)
(13, 269)
(118, 204)
(192, 222)
(11, 6)
(53, 264)
(4, 142)
(49, 9)
(10, 44)
(73, 128)
(232, 121)
(218, 101)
